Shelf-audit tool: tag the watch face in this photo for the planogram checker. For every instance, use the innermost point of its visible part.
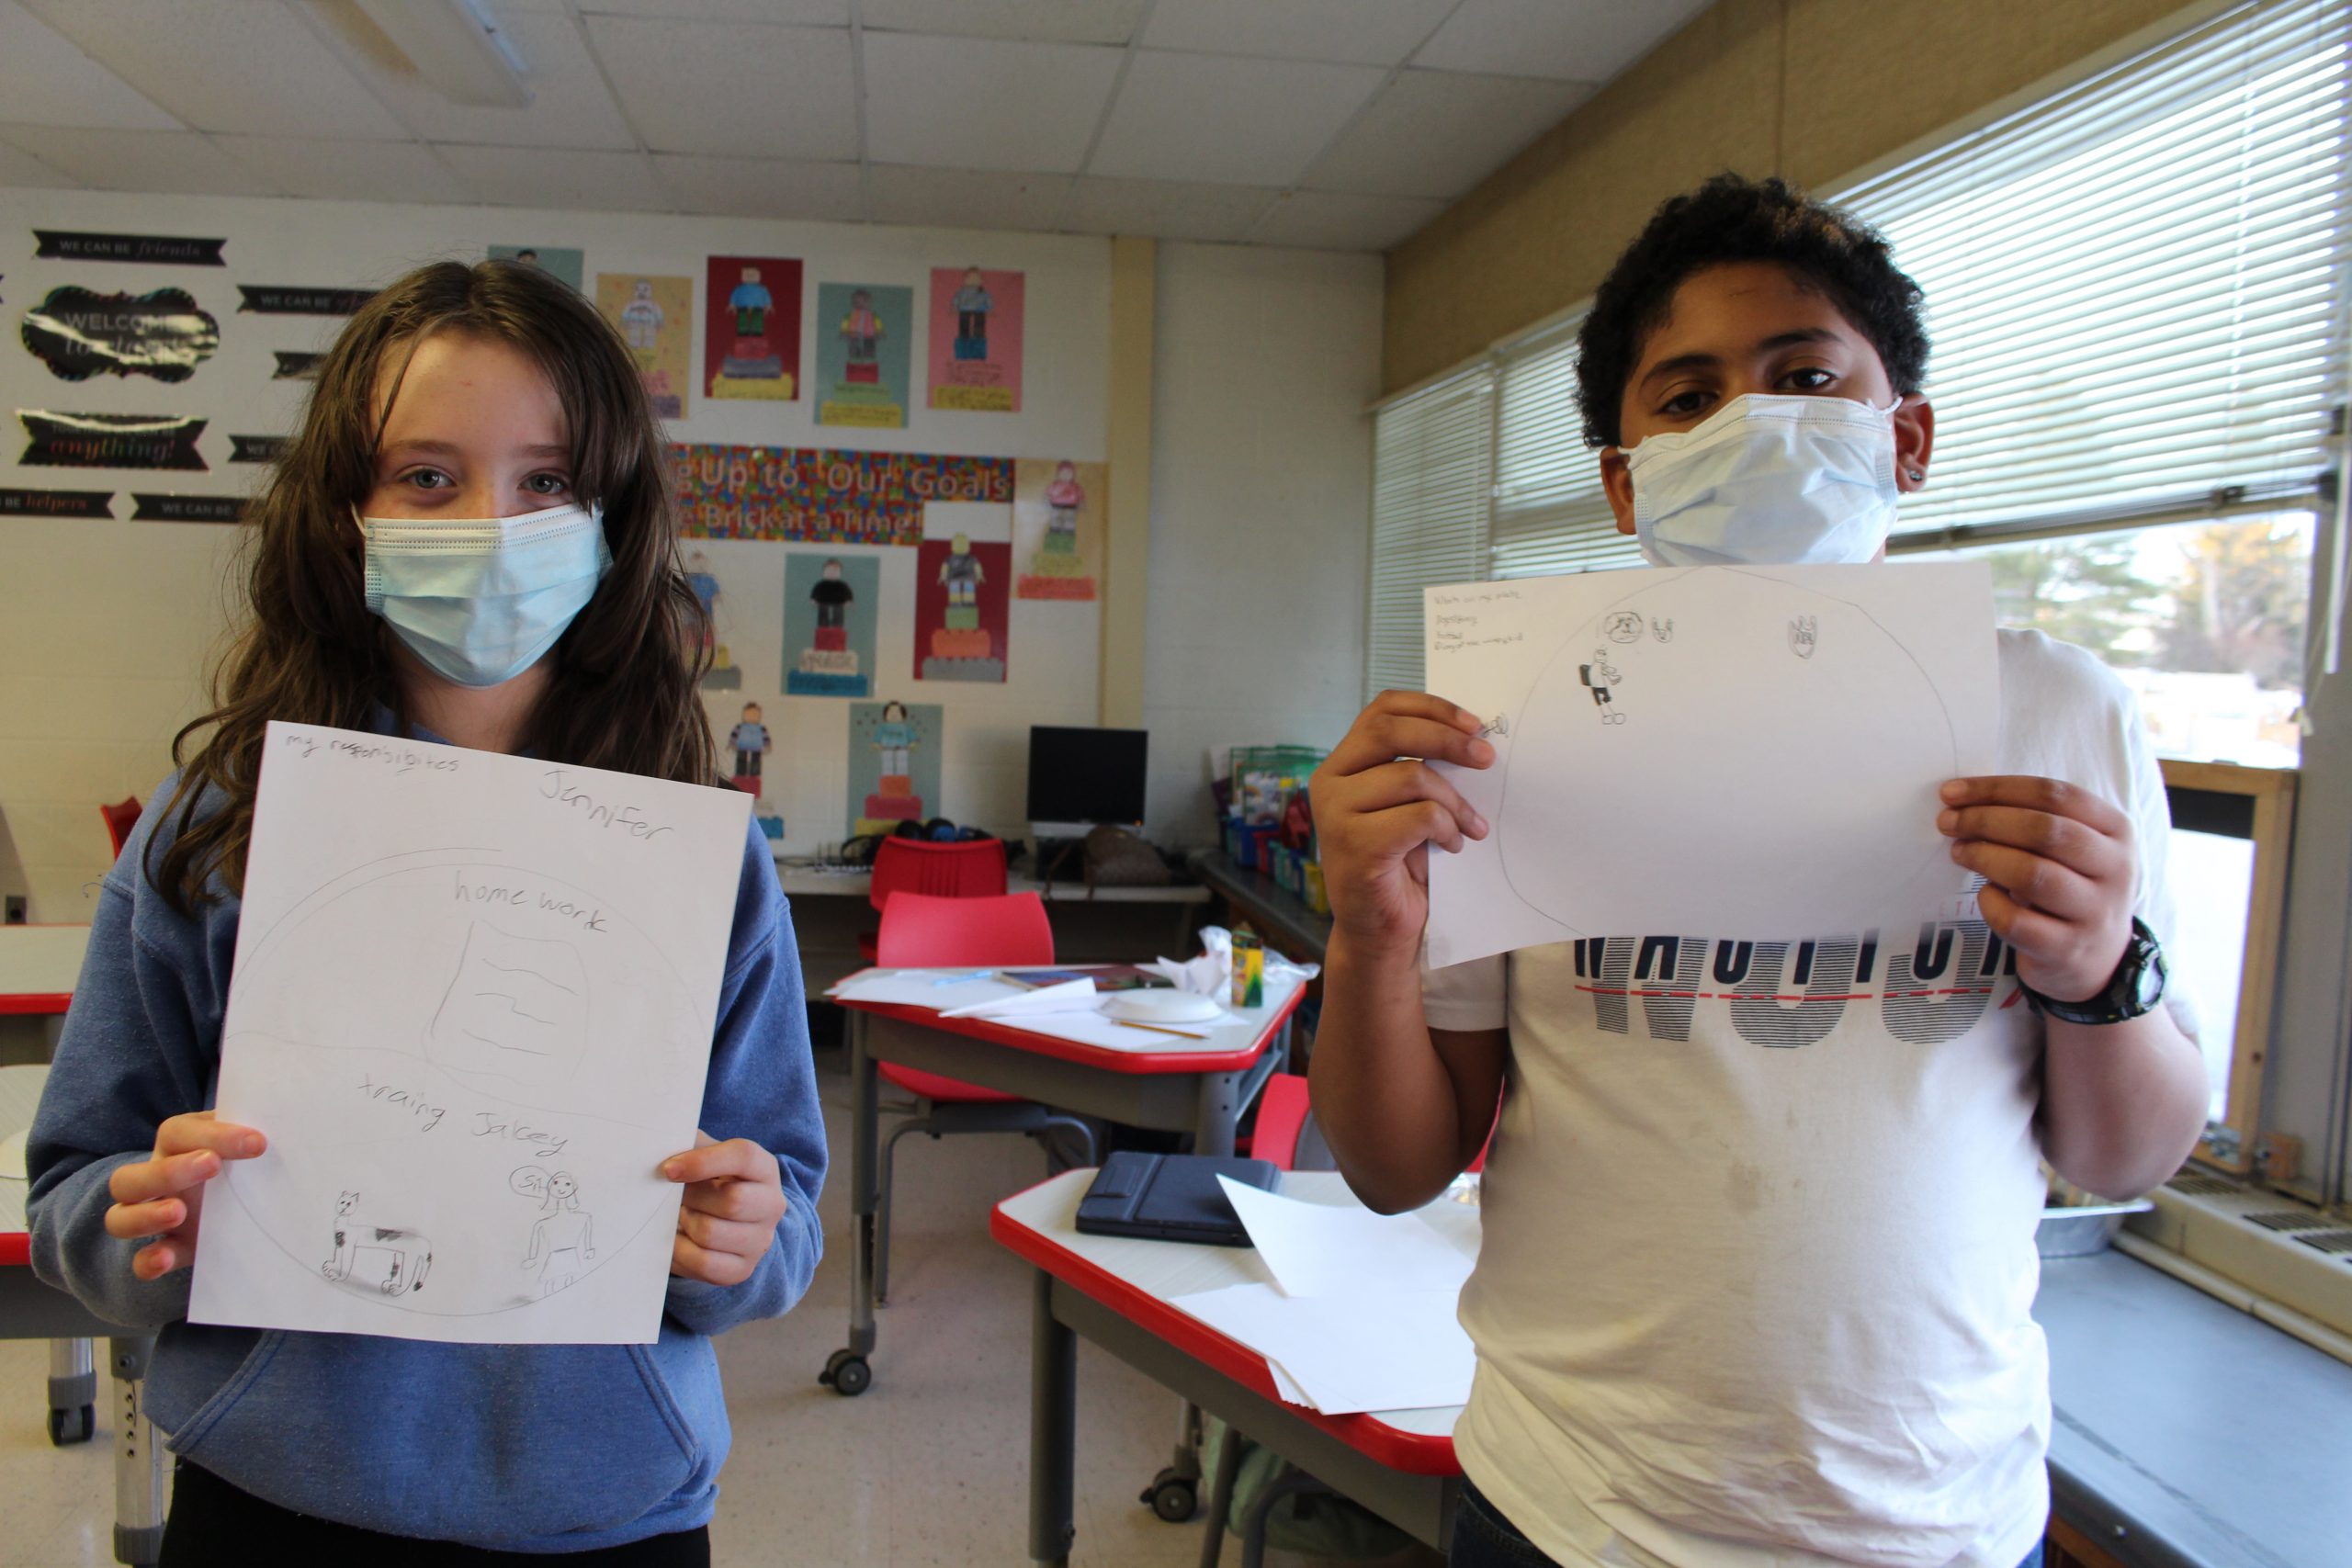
(2148, 985)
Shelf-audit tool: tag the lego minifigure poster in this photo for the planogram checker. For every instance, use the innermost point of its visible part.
(831, 603)
(962, 591)
(1058, 514)
(976, 339)
(564, 262)
(893, 764)
(865, 354)
(655, 318)
(751, 341)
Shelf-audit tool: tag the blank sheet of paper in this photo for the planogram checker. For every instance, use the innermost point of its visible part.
(1746, 753)
(1325, 1249)
(1346, 1354)
(471, 1009)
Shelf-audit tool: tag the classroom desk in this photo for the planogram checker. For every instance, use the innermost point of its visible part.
(37, 967)
(30, 1310)
(2185, 1434)
(1115, 1291)
(1201, 1089)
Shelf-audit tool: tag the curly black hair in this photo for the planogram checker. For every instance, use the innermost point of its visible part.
(1732, 219)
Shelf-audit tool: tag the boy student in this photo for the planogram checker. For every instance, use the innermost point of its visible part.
(1756, 1274)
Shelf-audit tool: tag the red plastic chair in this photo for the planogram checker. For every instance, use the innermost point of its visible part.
(121, 817)
(925, 932)
(974, 869)
(1282, 1113)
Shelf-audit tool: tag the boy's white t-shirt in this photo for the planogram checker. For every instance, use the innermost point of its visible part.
(1759, 1252)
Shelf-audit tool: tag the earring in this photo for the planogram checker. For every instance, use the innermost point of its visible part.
(1915, 475)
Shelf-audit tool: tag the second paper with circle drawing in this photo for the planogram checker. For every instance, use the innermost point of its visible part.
(1624, 729)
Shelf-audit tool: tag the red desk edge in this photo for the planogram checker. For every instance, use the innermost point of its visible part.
(1415, 1454)
(43, 1003)
(1140, 1061)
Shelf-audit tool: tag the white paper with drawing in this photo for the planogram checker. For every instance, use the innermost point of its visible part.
(471, 1009)
(1744, 751)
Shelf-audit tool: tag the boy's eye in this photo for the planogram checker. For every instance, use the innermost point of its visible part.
(1810, 379)
(1683, 404)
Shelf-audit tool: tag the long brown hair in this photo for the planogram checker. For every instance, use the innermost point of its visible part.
(624, 689)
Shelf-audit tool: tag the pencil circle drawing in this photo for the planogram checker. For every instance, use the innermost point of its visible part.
(1633, 733)
(496, 1029)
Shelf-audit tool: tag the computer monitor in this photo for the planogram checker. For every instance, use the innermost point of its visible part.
(1081, 779)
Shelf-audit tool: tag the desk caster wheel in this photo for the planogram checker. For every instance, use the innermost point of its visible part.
(67, 1428)
(1175, 1498)
(846, 1374)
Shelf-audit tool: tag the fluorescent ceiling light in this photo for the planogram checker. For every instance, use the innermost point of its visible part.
(458, 46)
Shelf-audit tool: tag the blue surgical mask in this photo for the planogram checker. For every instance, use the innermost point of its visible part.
(1767, 480)
(480, 600)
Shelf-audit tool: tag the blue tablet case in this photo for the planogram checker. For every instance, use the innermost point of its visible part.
(1170, 1197)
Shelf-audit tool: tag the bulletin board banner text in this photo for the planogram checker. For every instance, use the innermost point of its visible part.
(833, 497)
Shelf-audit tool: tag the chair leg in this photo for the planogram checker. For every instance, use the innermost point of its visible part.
(1067, 1124)
(882, 1207)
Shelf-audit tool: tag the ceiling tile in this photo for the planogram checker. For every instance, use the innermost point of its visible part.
(346, 171)
(1224, 119)
(1567, 41)
(1361, 33)
(762, 187)
(1440, 132)
(804, 13)
(540, 176)
(234, 65)
(20, 168)
(984, 102)
(174, 161)
(1328, 220)
(1166, 209)
(732, 87)
(570, 105)
(45, 80)
(965, 198)
(1043, 21)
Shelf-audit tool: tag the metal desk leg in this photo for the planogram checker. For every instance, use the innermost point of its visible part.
(846, 1371)
(138, 1461)
(72, 1392)
(1052, 1430)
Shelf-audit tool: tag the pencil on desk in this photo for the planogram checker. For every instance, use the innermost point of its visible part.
(1157, 1028)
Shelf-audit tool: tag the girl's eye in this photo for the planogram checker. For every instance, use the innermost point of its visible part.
(548, 484)
(426, 479)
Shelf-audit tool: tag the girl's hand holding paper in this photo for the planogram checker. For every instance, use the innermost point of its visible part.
(162, 1194)
(727, 1217)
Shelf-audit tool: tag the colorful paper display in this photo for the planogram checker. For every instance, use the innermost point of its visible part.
(655, 318)
(750, 335)
(560, 261)
(832, 606)
(962, 590)
(1058, 511)
(893, 764)
(865, 354)
(824, 495)
(976, 326)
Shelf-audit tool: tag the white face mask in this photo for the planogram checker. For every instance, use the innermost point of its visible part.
(1768, 481)
(480, 600)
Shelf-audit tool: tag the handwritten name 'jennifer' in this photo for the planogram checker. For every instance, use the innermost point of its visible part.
(556, 786)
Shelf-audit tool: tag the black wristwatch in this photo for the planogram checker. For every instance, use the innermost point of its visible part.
(2136, 986)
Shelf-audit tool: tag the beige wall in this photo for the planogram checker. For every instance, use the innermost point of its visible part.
(1812, 89)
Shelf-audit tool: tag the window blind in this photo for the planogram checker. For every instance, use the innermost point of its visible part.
(1550, 512)
(2135, 287)
(1432, 470)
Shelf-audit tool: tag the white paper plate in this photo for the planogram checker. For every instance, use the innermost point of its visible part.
(1162, 1006)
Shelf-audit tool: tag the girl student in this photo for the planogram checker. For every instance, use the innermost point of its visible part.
(469, 540)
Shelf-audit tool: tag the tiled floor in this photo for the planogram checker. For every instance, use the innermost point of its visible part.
(928, 1467)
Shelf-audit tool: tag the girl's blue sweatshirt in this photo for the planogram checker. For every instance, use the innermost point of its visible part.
(520, 1448)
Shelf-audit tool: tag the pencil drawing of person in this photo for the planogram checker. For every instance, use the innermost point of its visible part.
(562, 1239)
